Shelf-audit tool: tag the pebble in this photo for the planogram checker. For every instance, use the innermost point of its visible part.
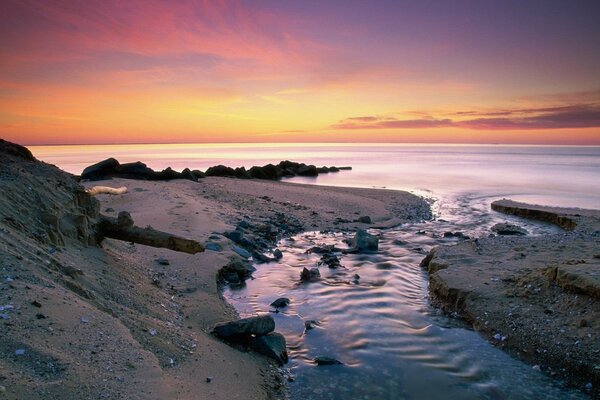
(36, 304)
(209, 379)
(20, 352)
(162, 261)
(84, 320)
(152, 332)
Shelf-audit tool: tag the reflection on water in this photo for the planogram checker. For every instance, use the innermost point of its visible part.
(552, 175)
(393, 344)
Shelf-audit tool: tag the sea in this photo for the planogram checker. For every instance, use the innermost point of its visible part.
(392, 342)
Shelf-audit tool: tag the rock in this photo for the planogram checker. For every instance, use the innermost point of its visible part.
(281, 302)
(364, 219)
(459, 235)
(241, 173)
(20, 352)
(310, 275)
(331, 260)
(236, 236)
(364, 241)
(243, 330)
(189, 175)
(307, 170)
(243, 224)
(137, 170)
(323, 360)
(102, 170)
(271, 345)
(36, 304)
(220, 170)
(213, 246)
(209, 379)
(508, 229)
(241, 251)
(310, 324)
(277, 254)
(236, 270)
(162, 261)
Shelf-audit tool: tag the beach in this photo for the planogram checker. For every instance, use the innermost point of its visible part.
(84, 321)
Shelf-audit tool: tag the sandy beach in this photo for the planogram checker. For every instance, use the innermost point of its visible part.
(84, 321)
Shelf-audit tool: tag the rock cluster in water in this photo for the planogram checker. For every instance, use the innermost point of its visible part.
(110, 168)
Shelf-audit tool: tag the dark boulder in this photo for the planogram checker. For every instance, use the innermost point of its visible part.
(281, 302)
(102, 170)
(365, 219)
(137, 170)
(241, 331)
(14, 149)
(241, 173)
(271, 345)
(307, 170)
(220, 170)
(189, 175)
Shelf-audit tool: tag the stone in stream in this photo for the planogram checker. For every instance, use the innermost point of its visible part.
(310, 275)
(241, 331)
(508, 229)
(236, 270)
(241, 251)
(323, 360)
(271, 345)
(281, 302)
(364, 241)
(277, 254)
(310, 324)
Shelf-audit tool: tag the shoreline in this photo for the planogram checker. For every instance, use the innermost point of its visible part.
(147, 312)
(535, 297)
(114, 320)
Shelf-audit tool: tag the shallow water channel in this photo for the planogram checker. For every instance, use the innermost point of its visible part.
(392, 342)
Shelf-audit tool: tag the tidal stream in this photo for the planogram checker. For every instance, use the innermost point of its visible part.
(392, 342)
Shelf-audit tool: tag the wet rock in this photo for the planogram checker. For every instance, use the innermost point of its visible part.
(331, 260)
(364, 241)
(508, 229)
(323, 360)
(310, 275)
(310, 324)
(261, 258)
(243, 224)
(241, 331)
(364, 220)
(281, 302)
(242, 252)
(307, 170)
(271, 345)
(277, 254)
(236, 270)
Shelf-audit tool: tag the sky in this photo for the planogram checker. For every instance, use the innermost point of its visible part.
(149, 71)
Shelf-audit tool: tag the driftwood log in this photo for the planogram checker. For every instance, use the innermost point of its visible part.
(122, 228)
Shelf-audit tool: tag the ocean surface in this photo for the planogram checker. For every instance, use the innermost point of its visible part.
(392, 342)
(552, 175)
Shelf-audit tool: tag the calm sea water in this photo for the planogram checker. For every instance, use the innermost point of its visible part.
(552, 175)
(393, 343)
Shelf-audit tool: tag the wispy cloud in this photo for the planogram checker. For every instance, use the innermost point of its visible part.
(554, 117)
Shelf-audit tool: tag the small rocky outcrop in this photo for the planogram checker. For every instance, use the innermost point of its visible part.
(110, 168)
(324, 360)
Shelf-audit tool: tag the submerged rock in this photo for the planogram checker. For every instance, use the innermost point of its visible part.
(236, 270)
(271, 345)
(241, 331)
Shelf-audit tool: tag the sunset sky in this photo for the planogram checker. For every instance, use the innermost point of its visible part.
(147, 71)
